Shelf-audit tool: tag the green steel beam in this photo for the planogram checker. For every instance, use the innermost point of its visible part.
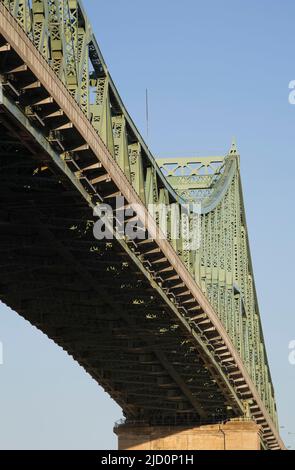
(222, 264)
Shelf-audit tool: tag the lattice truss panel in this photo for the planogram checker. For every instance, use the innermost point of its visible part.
(221, 266)
(63, 35)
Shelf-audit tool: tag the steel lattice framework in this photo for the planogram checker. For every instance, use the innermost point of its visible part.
(173, 334)
(222, 264)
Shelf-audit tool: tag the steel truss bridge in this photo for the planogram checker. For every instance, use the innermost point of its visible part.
(172, 334)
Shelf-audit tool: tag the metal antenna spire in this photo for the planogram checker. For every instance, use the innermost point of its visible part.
(147, 115)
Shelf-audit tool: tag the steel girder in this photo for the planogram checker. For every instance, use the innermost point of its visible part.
(222, 264)
(60, 31)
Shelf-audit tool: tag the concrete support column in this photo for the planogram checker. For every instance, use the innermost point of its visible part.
(233, 435)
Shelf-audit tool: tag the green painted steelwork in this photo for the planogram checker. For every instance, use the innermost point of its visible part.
(221, 265)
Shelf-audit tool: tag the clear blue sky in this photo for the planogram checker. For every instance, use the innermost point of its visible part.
(214, 69)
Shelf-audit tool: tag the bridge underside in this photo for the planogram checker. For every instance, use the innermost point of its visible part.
(87, 295)
(129, 312)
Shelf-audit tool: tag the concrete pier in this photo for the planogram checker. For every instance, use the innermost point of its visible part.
(234, 435)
